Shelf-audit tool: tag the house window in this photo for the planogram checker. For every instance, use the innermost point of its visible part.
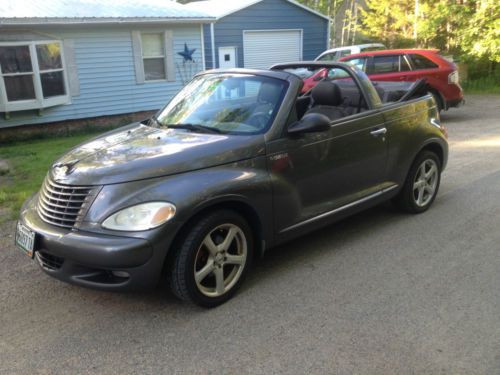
(31, 75)
(153, 55)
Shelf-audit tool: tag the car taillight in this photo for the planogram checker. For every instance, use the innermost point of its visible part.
(453, 77)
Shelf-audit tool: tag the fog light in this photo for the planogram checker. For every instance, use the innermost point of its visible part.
(122, 274)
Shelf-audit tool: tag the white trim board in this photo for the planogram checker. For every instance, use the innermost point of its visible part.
(199, 5)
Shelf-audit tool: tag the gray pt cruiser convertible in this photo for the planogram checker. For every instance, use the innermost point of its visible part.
(238, 162)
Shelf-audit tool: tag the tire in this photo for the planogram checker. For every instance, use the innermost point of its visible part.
(421, 185)
(438, 100)
(218, 249)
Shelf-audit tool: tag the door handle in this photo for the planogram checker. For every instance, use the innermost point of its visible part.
(377, 132)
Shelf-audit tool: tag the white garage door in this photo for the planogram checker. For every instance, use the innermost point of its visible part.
(261, 49)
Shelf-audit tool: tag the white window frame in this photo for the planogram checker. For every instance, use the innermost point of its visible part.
(168, 41)
(39, 101)
(164, 56)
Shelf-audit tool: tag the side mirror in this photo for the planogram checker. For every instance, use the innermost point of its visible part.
(310, 123)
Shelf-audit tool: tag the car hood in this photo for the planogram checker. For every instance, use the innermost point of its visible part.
(138, 152)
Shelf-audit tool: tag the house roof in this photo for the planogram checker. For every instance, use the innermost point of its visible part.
(223, 8)
(21, 12)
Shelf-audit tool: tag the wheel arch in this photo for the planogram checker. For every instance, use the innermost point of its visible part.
(439, 95)
(234, 203)
(436, 148)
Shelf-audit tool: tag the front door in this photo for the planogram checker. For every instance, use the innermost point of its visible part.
(317, 173)
(227, 57)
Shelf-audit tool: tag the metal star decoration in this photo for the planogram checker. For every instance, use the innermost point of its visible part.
(187, 53)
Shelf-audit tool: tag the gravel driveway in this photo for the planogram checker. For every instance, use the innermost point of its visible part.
(379, 293)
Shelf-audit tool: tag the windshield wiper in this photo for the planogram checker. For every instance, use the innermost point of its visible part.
(195, 128)
(153, 121)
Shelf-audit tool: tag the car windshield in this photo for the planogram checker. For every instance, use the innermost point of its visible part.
(224, 103)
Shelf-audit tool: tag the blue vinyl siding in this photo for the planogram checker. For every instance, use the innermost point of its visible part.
(105, 64)
(268, 15)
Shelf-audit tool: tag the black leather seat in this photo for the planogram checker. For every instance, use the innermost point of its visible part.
(327, 100)
(302, 105)
(267, 98)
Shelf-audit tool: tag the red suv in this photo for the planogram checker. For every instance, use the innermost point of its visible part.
(410, 65)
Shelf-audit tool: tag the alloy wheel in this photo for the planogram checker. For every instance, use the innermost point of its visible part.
(220, 260)
(425, 183)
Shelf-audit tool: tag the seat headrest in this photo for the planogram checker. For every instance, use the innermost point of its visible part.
(326, 93)
(269, 93)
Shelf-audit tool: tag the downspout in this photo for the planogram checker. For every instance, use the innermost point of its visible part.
(328, 34)
(212, 40)
(203, 62)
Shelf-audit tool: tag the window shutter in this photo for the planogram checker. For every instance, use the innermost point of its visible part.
(71, 67)
(137, 51)
(169, 52)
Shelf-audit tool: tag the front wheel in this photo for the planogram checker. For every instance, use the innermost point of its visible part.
(213, 259)
(422, 183)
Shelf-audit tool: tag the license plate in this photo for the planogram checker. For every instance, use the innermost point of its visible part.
(25, 239)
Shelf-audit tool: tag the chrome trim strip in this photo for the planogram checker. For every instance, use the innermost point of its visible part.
(342, 208)
(62, 213)
(435, 122)
(67, 207)
(47, 203)
(49, 217)
(49, 188)
(71, 187)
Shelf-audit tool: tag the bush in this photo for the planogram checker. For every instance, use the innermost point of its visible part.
(483, 76)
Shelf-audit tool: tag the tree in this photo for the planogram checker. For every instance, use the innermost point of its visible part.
(441, 23)
(450, 25)
(392, 21)
(482, 35)
(329, 8)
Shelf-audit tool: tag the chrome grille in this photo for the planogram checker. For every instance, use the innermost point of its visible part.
(64, 205)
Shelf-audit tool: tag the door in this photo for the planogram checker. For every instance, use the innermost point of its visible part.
(317, 173)
(227, 57)
(389, 68)
(262, 49)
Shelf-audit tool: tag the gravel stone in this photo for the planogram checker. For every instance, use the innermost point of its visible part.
(379, 293)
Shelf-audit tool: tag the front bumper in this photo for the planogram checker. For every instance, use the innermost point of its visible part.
(99, 261)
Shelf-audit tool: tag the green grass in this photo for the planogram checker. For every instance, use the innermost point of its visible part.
(29, 162)
(485, 85)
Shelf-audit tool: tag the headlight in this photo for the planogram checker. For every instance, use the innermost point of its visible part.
(143, 216)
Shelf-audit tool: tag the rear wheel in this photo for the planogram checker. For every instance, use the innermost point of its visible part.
(422, 183)
(213, 259)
